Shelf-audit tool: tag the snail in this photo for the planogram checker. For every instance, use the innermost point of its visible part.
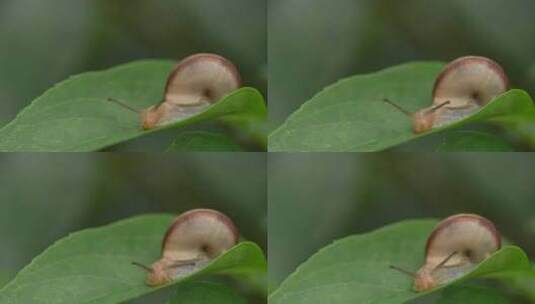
(461, 89)
(195, 83)
(195, 238)
(455, 247)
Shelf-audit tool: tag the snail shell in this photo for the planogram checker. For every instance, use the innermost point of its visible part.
(456, 246)
(469, 81)
(196, 82)
(461, 89)
(195, 238)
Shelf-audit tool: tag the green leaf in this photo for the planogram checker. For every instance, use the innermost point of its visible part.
(200, 141)
(94, 266)
(76, 116)
(465, 295)
(4, 278)
(351, 116)
(356, 269)
(206, 293)
(472, 141)
(521, 281)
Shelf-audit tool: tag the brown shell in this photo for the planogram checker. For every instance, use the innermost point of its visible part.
(194, 84)
(461, 217)
(204, 56)
(468, 60)
(470, 81)
(472, 236)
(201, 78)
(184, 217)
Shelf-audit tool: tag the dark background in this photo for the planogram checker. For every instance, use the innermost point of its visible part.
(44, 197)
(313, 43)
(44, 42)
(315, 199)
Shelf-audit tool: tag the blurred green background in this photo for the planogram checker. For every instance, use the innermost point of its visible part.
(315, 199)
(44, 42)
(45, 197)
(314, 43)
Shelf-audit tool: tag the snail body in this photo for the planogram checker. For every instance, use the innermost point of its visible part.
(455, 247)
(194, 239)
(196, 82)
(461, 89)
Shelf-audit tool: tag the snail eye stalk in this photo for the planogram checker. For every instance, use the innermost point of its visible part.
(401, 109)
(409, 273)
(146, 268)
